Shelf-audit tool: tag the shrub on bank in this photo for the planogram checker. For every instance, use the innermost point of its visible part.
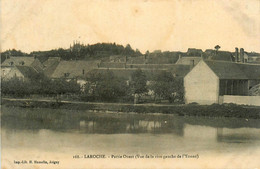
(215, 110)
(42, 86)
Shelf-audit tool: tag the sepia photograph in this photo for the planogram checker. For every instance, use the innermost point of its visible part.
(130, 84)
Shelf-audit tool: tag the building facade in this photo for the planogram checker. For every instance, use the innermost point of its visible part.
(210, 81)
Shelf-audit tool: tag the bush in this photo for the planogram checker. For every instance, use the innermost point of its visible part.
(105, 87)
(20, 88)
(167, 87)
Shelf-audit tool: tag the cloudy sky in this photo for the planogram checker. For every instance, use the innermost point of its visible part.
(30, 25)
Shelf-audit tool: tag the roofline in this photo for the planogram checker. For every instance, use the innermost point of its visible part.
(211, 69)
(128, 69)
(202, 60)
(247, 63)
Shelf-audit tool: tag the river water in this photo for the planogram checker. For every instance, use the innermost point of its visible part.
(69, 138)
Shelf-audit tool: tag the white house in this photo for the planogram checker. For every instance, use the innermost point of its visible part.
(218, 81)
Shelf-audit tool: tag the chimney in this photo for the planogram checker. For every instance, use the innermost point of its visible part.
(242, 55)
(191, 64)
(236, 55)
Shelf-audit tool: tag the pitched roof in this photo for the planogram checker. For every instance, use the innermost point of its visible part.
(126, 73)
(232, 70)
(223, 55)
(180, 70)
(136, 60)
(50, 65)
(252, 54)
(37, 65)
(194, 50)
(50, 61)
(27, 71)
(74, 69)
(187, 60)
(209, 51)
(252, 71)
(112, 65)
(16, 61)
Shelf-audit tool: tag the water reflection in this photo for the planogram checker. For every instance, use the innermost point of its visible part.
(237, 135)
(219, 129)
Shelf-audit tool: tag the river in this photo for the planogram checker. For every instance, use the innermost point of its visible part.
(118, 140)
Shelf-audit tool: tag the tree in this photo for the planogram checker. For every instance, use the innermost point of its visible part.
(138, 82)
(162, 85)
(15, 87)
(217, 47)
(105, 86)
(166, 86)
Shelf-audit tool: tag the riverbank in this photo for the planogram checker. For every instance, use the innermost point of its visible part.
(214, 110)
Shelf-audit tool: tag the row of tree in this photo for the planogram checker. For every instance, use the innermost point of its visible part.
(86, 52)
(107, 87)
(99, 87)
(78, 52)
(39, 85)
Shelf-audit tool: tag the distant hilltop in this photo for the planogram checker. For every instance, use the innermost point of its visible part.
(115, 53)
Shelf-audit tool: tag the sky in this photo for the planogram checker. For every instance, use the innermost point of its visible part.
(174, 25)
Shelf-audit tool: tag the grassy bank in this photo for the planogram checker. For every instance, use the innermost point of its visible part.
(214, 110)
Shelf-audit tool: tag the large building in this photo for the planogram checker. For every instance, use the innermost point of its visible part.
(213, 81)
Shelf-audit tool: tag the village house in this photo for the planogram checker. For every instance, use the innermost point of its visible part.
(19, 67)
(222, 82)
(219, 55)
(188, 60)
(74, 70)
(20, 72)
(194, 52)
(50, 65)
(253, 57)
(117, 58)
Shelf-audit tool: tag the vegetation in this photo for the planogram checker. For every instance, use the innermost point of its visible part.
(217, 47)
(138, 82)
(214, 110)
(165, 57)
(78, 52)
(87, 52)
(167, 87)
(104, 87)
(38, 85)
(12, 52)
